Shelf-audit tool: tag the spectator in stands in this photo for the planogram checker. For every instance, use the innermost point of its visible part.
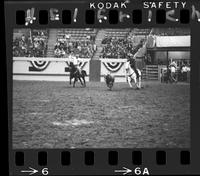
(23, 45)
(23, 39)
(67, 36)
(118, 48)
(57, 52)
(30, 46)
(88, 37)
(62, 52)
(84, 48)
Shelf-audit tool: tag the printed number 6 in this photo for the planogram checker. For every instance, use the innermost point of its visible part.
(45, 171)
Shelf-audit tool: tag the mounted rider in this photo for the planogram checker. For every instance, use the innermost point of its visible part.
(132, 60)
(75, 61)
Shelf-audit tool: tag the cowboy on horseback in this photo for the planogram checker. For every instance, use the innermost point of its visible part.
(75, 70)
(75, 62)
(131, 76)
(132, 61)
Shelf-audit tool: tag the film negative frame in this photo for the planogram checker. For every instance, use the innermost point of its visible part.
(161, 161)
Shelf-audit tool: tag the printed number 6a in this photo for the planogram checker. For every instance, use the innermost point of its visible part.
(45, 171)
(139, 171)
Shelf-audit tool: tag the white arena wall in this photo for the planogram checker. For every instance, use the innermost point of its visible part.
(53, 69)
(114, 66)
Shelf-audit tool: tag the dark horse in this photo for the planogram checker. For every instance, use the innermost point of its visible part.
(74, 73)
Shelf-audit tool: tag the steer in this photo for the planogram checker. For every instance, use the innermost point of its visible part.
(109, 79)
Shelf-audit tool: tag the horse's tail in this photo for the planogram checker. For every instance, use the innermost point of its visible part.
(84, 72)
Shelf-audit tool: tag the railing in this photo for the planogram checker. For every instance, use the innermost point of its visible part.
(31, 59)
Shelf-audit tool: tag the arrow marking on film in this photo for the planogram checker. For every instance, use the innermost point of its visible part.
(125, 171)
(31, 171)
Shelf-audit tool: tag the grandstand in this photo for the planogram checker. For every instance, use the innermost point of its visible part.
(17, 33)
(84, 38)
(30, 42)
(117, 33)
(99, 37)
(119, 42)
(77, 34)
(94, 44)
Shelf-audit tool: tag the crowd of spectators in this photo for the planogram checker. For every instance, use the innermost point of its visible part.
(119, 47)
(66, 45)
(32, 45)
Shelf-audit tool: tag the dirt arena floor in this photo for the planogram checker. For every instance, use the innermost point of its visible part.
(55, 115)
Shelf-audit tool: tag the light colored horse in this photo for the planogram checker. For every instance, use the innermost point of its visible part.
(131, 76)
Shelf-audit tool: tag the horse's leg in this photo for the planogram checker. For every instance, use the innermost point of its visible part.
(80, 80)
(83, 74)
(70, 80)
(129, 82)
(139, 82)
(134, 77)
(140, 79)
(84, 80)
(75, 79)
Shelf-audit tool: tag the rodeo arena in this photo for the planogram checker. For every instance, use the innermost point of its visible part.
(101, 88)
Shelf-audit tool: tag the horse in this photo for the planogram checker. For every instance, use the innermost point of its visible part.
(131, 76)
(77, 75)
(109, 81)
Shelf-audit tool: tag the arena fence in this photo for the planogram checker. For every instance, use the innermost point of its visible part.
(55, 69)
(45, 69)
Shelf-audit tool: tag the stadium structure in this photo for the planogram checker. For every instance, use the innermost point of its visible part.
(43, 54)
